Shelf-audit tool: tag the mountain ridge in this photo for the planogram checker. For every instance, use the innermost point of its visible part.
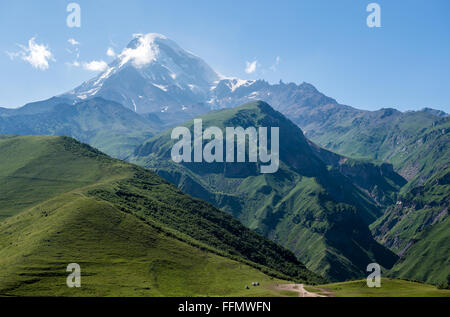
(304, 205)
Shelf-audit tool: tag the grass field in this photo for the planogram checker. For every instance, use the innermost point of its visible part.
(118, 254)
(389, 288)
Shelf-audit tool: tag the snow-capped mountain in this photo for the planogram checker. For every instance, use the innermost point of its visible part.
(154, 74)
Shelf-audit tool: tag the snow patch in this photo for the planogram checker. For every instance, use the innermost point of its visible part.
(105, 75)
(162, 87)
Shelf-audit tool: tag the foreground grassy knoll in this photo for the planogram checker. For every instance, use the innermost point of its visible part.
(132, 233)
(119, 255)
(389, 288)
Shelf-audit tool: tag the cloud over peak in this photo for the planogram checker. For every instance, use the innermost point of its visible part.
(144, 51)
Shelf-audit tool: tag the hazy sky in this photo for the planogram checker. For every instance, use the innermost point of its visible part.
(404, 64)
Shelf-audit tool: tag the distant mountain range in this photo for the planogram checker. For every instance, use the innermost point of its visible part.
(343, 170)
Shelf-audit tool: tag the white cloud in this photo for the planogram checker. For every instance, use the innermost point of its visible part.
(144, 52)
(251, 67)
(38, 55)
(110, 52)
(95, 66)
(277, 62)
(73, 42)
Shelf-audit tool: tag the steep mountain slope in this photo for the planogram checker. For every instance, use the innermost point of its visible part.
(82, 199)
(312, 209)
(416, 228)
(104, 124)
(428, 259)
(376, 179)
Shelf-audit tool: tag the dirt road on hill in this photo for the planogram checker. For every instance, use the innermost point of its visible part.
(299, 288)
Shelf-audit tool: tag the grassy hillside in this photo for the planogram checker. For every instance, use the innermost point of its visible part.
(389, 288)
(428, 258)
(416, 228)
(34, 169)
(309, 207)
(104, 124)
(66, 202)
(119, 255)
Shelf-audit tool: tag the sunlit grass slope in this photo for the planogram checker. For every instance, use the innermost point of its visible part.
(119, 255)
(389, 288)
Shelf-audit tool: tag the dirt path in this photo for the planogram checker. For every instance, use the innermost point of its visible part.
(299, 288)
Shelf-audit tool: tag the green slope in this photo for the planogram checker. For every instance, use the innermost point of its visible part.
(428, 259)
(119, 255)
(389, 288)
(66, 202)
(308, 205)
(417, 229)
(104, 124)
(34, 169)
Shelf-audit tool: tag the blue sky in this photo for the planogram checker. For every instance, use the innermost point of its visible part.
(404, 64)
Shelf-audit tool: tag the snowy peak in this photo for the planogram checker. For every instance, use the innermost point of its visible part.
(233, 83)
(141, 51)
(152, 74)
(152, 52)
